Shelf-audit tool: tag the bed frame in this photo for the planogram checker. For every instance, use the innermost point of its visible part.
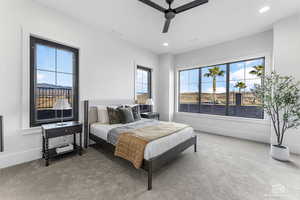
(148, 165)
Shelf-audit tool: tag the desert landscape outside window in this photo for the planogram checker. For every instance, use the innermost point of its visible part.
(224, 89)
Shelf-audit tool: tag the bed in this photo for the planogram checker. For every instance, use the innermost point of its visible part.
(156, 153)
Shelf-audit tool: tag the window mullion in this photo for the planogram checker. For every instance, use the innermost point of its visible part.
(149, 84)
(200, 89)
(55, 66)
(227, 87)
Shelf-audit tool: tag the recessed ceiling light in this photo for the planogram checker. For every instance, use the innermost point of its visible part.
(165, 44)
(264, 9)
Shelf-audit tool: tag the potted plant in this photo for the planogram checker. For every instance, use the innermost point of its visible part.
(238, 96)
(280, 97)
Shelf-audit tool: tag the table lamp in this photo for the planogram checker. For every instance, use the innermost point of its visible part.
(61, 104)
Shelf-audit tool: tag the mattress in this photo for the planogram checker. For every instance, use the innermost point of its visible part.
(153, 148)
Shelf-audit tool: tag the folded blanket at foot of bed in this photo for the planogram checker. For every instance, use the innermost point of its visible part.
(131, 143)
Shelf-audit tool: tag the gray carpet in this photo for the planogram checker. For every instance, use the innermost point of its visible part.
(222, 169)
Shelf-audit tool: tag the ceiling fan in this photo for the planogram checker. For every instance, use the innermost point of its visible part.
(170, 12)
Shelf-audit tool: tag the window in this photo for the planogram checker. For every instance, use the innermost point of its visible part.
(189, 90)
(143, 84)
(53, 76)
(224, 89)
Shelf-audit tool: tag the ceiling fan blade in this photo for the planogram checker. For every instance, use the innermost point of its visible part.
(166, 26)
(153, 5)
(191, 5)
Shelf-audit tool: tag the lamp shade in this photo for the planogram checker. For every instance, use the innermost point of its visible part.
(61, 104)
(150, 102)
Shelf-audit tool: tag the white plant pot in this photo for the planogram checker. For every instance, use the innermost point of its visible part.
(280, 153)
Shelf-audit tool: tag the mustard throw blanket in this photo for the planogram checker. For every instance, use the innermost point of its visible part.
(131, 145)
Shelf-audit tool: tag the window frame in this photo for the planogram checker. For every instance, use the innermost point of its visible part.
(33, 77)
(149, 72)
(227, 64)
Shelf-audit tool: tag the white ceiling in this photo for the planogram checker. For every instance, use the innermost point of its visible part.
(212, 23)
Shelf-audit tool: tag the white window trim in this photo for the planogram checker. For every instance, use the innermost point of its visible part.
(25, 40)
(268, 69)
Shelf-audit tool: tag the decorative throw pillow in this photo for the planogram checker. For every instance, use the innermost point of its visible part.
(114, 115)
(102, 114)
(136, 112)
(126, 115)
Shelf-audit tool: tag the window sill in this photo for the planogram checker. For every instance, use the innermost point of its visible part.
(224, 118)
(32, 131)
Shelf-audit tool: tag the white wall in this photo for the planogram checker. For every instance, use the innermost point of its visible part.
(282, 48)
(106, 69)
(166, 87)
(253, 46)
(244, 47)
(287, 62)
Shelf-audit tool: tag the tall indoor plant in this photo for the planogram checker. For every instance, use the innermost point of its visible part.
(281, 100)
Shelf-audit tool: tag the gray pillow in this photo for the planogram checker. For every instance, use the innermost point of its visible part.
(126, 115)
(114, 115)
(136, 113)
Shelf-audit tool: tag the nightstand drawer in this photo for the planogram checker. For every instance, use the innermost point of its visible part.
(74, 129)
(57, 132)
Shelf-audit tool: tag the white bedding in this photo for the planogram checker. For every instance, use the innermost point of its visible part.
(153, 148)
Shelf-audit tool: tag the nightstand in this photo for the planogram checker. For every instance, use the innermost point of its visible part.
(54, 130)
(150, 115)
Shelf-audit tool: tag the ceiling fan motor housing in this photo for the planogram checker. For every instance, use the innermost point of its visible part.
(170, 14)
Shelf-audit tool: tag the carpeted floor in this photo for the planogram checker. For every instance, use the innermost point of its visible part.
(222, 169)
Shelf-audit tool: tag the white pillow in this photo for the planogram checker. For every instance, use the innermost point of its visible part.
(102, 114)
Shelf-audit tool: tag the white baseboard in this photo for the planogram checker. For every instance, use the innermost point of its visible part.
(295, 149)
(19, 157)
(11, 159)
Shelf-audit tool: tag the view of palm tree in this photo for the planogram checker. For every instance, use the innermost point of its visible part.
(214, 72)
(208, 89)
(240, 85)
(258, 70)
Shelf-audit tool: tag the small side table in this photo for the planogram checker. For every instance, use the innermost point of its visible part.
(53, 130)
(150, 115)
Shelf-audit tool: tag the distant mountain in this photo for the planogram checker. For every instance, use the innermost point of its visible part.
(46, 85)
(47, 94)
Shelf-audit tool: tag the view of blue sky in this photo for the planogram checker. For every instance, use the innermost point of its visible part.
(54, 66)
(142, 81)
(189, 79)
